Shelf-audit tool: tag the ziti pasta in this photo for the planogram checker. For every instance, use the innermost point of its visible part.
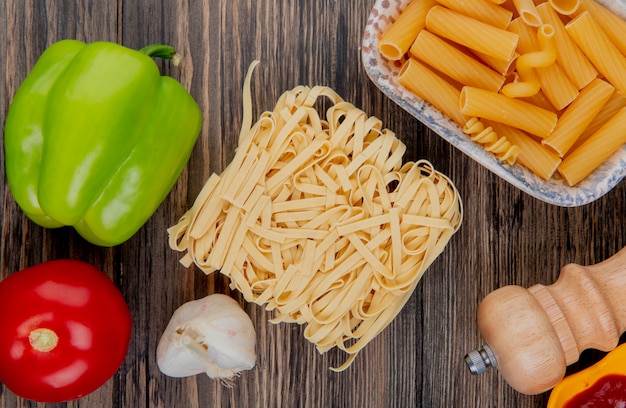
(318, 219)
(533, 90)
(528, 12)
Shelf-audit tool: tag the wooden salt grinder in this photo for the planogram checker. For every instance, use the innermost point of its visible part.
(533, 334)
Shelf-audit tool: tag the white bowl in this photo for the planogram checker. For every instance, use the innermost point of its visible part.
(555, 191)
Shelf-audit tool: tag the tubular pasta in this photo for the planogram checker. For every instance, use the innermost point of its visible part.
(503, 67)
(578, 116)
(531, 92)
(612, 25)
(565, 7)
(513, 112)
(533, 155)
(606, 57)
(594, 151)
(472, 33)
(435, 90)
(540, 100)
(482, 10)
(400, 35)
(335, 232)
(614, 105)
(454, 63)
(528, 12)
(432, 88)
(569, 56)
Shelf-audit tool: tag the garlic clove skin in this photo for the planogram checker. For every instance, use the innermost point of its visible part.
(212, 335)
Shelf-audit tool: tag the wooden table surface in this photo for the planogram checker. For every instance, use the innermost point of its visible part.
(507, 236)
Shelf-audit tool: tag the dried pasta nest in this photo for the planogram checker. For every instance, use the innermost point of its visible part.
(318, 219)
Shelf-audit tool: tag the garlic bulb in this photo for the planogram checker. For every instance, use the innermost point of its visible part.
(213, 335)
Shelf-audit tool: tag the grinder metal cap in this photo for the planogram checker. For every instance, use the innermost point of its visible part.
(478, 360)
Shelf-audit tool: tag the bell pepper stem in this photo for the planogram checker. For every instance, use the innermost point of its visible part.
(162, 51)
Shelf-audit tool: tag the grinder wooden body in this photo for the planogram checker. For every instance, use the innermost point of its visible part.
(535, 333)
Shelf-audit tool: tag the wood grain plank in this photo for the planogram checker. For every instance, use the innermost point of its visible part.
(507, 236)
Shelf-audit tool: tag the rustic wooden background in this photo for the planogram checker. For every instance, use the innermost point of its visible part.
(507, 237)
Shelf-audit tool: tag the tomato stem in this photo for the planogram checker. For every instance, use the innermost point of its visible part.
(43, 339)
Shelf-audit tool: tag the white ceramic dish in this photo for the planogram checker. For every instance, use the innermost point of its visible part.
(384, 74)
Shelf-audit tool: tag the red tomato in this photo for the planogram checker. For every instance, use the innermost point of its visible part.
(64, 331)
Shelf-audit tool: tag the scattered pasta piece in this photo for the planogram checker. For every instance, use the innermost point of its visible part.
(318, 219)
(528, 62)
(500, 146)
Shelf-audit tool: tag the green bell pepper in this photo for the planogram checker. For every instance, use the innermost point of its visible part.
(95, 138)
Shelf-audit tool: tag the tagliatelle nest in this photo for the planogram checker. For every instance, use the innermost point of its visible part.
(317, 219)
